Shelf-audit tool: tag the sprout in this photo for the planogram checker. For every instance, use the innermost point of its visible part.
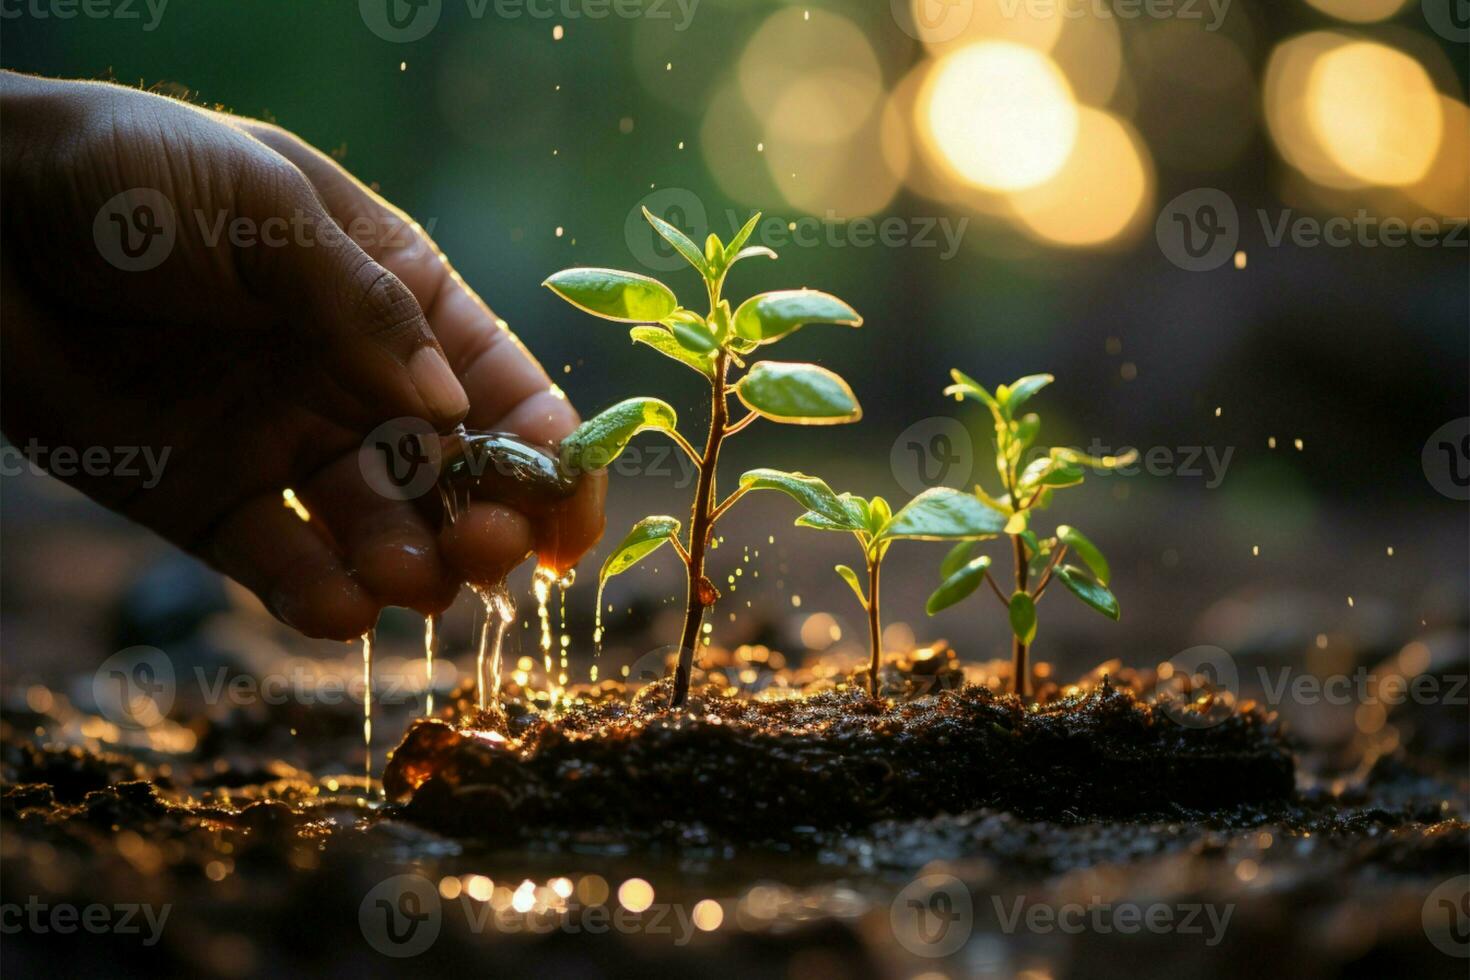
(715, 345)
(940, 514)
(1026, 490)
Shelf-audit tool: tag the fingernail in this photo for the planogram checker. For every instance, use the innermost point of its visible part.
(441, 391)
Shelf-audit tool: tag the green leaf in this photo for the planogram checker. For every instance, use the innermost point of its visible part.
(809, 491)
(879, 514)
(817, 522)
(956, 559)
(1094, 462)
(601, 439)
(751, 252)
(681, 242)
(801, 394)
(1095, 595)
(664, 342)
(719, 322)
(1086, 550)
(967, 387)
(737, 243)
(941, 513)
(851, 578)
(1025, 433)
(958, 584)
(646, 537)
(694, 336)
(1023, 617)
(714, 254)
(614, 295)
(1023, 389)
(766, 317)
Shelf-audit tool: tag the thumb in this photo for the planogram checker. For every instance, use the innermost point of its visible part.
(362, 321)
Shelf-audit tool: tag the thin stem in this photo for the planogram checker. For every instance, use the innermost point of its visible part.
(679, 547)
(730, 430)
(683, 444)
(700, 594)
(1051, 566)
(995, 587)
(727, 503)
(1020, 670)
(875, 628)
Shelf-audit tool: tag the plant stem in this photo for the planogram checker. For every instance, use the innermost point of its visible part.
(1020, 670)
(700, 524)
(875, 628)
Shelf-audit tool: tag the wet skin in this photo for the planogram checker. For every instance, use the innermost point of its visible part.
(260, 366)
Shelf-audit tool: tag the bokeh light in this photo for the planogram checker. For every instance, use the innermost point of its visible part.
(1359, 11)
(1001, 115)
(1375, 112)
(1100, 194)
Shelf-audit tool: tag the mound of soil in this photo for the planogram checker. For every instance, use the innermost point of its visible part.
(834, 760)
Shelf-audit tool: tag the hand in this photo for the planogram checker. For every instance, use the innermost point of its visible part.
(258, 351)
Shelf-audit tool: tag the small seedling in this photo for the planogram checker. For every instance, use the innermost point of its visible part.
(1026, 490)
(939, 514)
(711, 344)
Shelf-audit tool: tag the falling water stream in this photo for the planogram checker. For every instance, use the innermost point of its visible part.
(500, 612)
(431, 636)
(367, 704)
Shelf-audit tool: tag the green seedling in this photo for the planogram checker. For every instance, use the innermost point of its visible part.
(1026, 489)
(939, 514)
(714, 344)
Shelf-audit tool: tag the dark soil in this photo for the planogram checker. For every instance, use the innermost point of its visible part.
(763, 770)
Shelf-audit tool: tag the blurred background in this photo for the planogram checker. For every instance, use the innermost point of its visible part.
(1123, 194)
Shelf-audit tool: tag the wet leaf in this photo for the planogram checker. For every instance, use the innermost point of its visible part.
(664, 342)
(1020, 391)
(851, 578)
(614, 295)
(766, 317)
(958, 584)
(809, 491)
(1023, 617)
(941, 513)
(956, 559)
(681, 242)
(646, 537)
(694, 336)
(601, 439)
(1086, 550)
(1095, 595)
(737, 244)
(800, 394)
